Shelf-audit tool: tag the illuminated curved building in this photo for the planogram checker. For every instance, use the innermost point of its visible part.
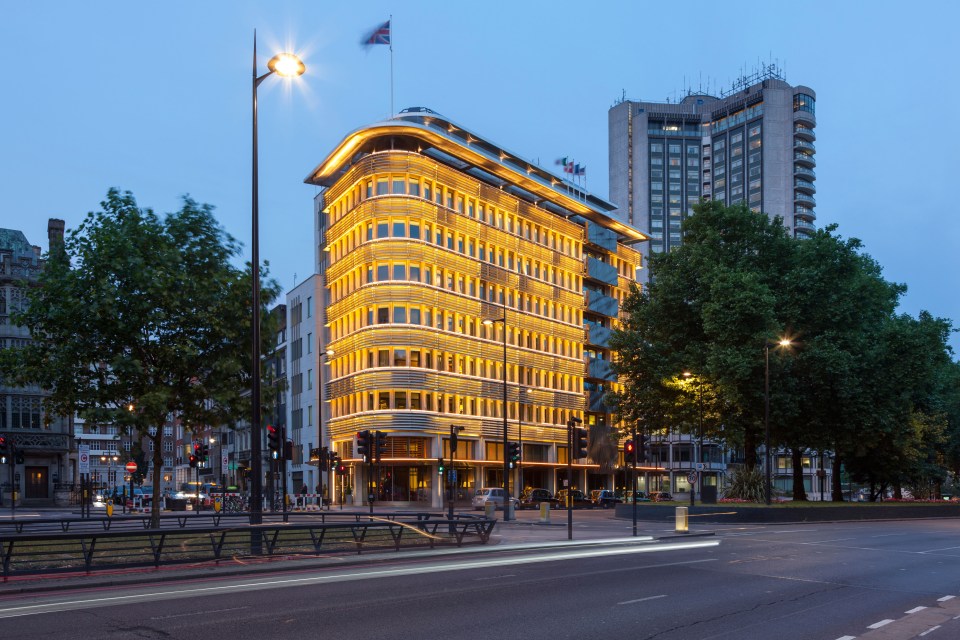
(424, 230)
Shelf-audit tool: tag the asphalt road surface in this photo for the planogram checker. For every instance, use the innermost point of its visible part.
(830, 581)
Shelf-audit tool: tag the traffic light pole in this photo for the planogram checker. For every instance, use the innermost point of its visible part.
(633, 478)
(569, 479)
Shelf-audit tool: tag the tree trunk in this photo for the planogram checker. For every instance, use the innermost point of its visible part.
(836, 482)
(157, 439)
(799, 492)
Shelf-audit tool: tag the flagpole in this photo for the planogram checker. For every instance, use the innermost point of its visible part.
(392, 112)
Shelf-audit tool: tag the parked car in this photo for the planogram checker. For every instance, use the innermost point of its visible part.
(661, 496)
(531, 498)
(603, 498)
(641, 497)
(490, 494)
(580, 501)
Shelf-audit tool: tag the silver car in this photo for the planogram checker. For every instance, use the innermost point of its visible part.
(490, 494)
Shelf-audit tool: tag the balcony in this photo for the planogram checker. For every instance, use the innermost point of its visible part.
(600, 370)
(601, 271)
(804, 198)
(602, 304)
(803, 144)
(595, 401)
(804, 185)
(804, 132)
(597, 335)
(804, 212)
(804, 173)
(806, 117)
(806, 159)
(800, 223)
(601, 237)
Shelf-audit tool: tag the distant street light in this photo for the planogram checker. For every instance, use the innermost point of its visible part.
(507, 505)
(699, 446)
(768, 485)
(289, 66)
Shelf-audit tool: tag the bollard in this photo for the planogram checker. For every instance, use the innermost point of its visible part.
(109, 508)
(682, 523)
(217, 506)
(489, 509)
(544, 513)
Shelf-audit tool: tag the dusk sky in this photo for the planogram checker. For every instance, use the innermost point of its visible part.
(155, 98)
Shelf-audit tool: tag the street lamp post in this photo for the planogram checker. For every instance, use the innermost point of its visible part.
(289, 66)
(507, 505)
(699, 453)
(768, 485)
(523, 393)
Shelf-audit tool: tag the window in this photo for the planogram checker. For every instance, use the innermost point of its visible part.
(383, 272)
(415, 230)
(400, 271)
(399, 357)
(382, 186)
(383, 315)
(309, 343)
(413, 188)
(309, 306)
(400, 314)
(309, 379)
(399, 229)
(399, 186)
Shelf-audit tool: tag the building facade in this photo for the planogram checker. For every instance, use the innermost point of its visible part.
(753, 145)
(42, 440)
(425, 230)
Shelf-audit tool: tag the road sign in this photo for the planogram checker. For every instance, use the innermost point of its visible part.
(692, 477)
(83, 458)
(131, 466)
(701, 466)
(225, 460)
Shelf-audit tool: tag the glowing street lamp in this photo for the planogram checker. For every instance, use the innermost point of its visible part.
(768, 486)
(285, 65)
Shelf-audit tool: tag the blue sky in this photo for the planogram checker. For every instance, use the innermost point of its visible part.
(155, 98)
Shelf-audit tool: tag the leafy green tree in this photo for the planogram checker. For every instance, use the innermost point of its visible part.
(143, 320)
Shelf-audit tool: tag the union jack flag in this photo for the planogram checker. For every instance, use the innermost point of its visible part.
(380, 35)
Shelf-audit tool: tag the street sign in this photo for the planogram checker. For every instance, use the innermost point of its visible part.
(692, 477)
(701, 466)
(131, 466)
(225, 460)
(453, 476)
(83, 458)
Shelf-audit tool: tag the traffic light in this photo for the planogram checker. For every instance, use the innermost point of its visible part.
(17, 456)
(580, 443)
(287, 449)
(643, 449)
(363, 444)
(323, 457)
(379, 444)
(513, 453)
(4, 446)
(193, 461)
(454, 430)
(274, 440)
(630, 452)
(205, 453)
(440, 466)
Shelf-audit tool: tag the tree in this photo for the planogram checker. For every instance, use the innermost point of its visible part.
(710, 306)
(143, 319)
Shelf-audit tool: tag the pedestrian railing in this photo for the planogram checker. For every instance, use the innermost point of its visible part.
(87, 550)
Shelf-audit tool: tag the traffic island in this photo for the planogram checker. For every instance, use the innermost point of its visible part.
(740, 513)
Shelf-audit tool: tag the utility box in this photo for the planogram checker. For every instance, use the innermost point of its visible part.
(708, 494)
(545, 513)
(682, 520)
(489, 509)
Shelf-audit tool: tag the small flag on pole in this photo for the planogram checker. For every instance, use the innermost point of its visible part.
(380, 35)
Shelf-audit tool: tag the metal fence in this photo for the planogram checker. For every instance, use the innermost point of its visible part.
(71, 546)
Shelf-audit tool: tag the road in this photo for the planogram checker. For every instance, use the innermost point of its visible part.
(801, 582)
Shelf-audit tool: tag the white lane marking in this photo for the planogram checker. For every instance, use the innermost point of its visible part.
(196, 613)
(506, 575)
(643, 599)
(941, 549)
(847, 638)
(149, 596)
(929, 630)
(877, 625)
(945, 598)
(915, 609)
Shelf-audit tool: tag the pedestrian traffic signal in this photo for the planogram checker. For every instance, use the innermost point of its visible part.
(440, 466)
(18, 456)
(630, 452)
(4, 449)
(513, 453)
(379, 444)
(363, 444)
(322, 456)
(274, 439)
(454, 432)
(193, 461)
(580, 443)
